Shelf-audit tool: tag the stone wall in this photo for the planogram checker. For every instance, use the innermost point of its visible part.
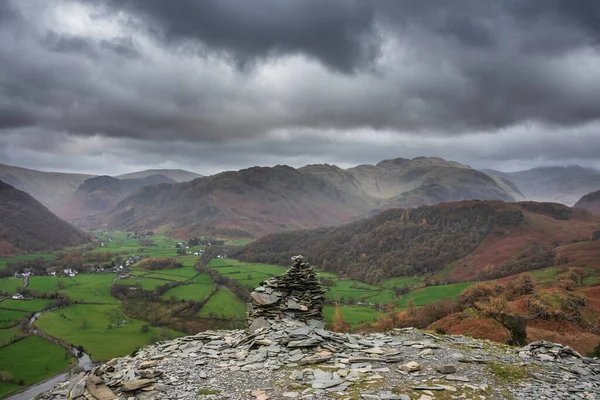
(297, 295)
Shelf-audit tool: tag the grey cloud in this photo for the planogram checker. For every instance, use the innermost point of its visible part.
(154, 74)
(61, 43)
(336, 32)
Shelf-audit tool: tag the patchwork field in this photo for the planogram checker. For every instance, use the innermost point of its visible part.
(354, 315)
(195, 292)
(102, 330)
(16, 358)
(248, 274)
(91, 288)
(225, 305)
(432, 294)
(25, 305)
(8, 335)
(10, 318)
(10, 285)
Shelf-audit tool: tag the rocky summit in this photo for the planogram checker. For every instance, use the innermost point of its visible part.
(290, 359)
(297, 294)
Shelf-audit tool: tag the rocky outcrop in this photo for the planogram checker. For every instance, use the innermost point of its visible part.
(290, 359)
(297, 295)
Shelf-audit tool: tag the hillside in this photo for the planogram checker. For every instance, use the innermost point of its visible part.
(555, 184)
(49, 188)
(263, 200)
(450, 242)
(590, 202)
(26, 226)
(177, 175)
(100, 194)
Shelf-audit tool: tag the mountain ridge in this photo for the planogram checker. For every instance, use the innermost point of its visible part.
(261, 200)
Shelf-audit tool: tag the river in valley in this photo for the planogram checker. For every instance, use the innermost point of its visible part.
(84, 363)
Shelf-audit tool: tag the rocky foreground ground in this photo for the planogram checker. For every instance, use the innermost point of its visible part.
(294, 360)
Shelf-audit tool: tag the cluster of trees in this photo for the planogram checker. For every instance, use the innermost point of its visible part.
(536, 257)
(196, 241)
(394, 243)
(236, 288)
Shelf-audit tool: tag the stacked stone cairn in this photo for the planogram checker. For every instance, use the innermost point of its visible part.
(296, 295)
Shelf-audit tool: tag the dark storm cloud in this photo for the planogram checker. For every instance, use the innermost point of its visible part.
(337, 32)
(232, 77)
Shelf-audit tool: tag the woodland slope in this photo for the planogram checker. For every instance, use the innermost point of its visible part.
(26, 226)
(447, 242)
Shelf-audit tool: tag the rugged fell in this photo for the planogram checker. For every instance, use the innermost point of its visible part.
(101, 193)
(257, 201)
(556, 184)
(26, 226)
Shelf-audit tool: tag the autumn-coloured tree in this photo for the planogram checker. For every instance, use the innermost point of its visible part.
(411, 308)
(339, 322)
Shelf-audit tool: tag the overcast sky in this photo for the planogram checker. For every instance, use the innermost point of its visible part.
(112, 86)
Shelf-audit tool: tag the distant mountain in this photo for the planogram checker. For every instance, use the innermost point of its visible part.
(262, 200)
(178, 175)
(557, 184)
(590, 202)
(100, 194)
(461, 241)
(49, 188)
(26, 226)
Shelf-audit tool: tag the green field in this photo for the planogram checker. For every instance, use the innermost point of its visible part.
(432, 294)
(46, 284)
(88, 326)
(49, 359)
(195, 292)
(91, 288)
(248, 274)
(6, 388)
(354, 315)
(225, 305)
(10, 285)
(26, 305)
(7, 317)
(7, 335)
(347, 289)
